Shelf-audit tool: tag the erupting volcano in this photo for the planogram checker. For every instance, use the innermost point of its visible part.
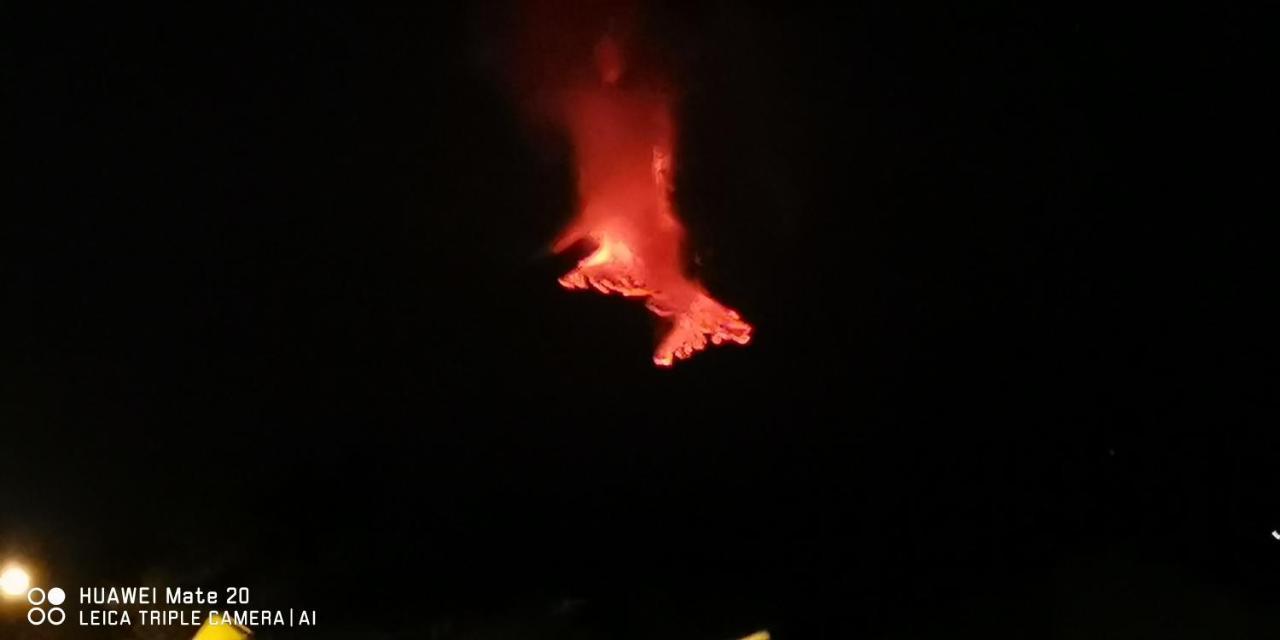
(622, 142)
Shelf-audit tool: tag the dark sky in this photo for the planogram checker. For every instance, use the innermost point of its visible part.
(279, 313)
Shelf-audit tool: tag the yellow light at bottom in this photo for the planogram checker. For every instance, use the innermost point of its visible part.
(215, 629)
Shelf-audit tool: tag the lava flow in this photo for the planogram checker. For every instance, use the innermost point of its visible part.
(622, 140)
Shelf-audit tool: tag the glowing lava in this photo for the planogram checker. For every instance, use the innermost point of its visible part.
(622, 139)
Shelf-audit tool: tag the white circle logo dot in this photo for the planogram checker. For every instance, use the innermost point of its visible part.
(57, 596)
(31, 596)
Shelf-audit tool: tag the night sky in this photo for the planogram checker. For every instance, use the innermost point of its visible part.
(280, 313)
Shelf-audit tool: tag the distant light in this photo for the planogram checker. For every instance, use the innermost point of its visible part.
(1275, 534)
(15, 581)
(759, 635)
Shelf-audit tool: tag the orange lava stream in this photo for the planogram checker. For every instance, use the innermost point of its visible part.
(622, 140)
(696, 321)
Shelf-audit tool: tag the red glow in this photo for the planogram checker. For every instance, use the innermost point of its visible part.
(622, 140)
(602, 92)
